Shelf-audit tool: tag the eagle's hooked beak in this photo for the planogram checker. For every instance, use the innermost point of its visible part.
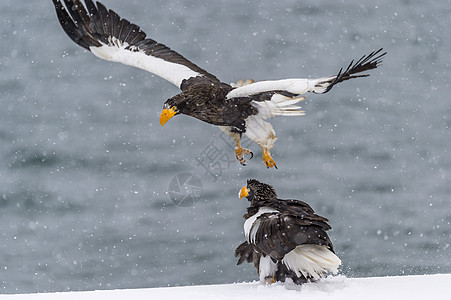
(166, 114)
(244, 192)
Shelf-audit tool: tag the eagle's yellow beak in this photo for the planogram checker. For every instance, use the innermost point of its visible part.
(244, 192)
(166, 114)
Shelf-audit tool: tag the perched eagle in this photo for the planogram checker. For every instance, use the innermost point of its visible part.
(284, 238)
(235, 109)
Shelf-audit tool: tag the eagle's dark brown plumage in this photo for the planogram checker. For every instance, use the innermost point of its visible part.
(236, 110)
(284, 238)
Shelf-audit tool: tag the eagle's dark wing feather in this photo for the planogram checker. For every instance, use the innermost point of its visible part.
(365, 63)
(245, 253)
(295, 224)
(109, 37)
(276, 236)
(290, 206)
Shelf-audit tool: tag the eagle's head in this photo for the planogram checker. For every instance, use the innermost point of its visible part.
(256, 190)
(173, 106)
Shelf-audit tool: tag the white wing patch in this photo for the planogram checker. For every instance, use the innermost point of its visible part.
(296, 86)
(251, 226)
(312, 261)
(116, 52)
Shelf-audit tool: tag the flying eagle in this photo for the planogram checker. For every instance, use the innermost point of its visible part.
(284, 238)
(235, 109)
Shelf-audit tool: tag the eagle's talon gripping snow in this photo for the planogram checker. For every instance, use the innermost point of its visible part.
(237, 109)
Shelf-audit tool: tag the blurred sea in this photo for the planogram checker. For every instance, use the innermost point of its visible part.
(85, 167)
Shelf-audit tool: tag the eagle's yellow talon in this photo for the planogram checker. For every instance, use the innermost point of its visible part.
(268, 160)
(240, 152)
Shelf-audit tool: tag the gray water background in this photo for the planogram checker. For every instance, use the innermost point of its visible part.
(85, 166)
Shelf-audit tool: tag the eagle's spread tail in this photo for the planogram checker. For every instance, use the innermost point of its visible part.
(312, 261)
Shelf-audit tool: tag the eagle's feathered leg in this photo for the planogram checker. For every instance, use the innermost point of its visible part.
(262, 133)
(239, 151)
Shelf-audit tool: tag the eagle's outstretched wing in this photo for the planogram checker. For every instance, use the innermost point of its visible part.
(298, 86)
(112, 38)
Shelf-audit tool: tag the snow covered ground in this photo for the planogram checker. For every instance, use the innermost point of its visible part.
(337, 288)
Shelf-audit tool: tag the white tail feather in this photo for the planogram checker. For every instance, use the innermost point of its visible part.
(279, 105)
(312, 261)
